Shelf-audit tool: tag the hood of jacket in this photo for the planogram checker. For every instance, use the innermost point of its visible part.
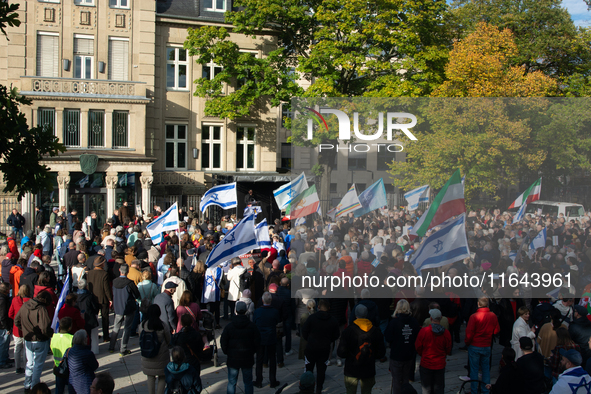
(121, 282)
(29, 271)
(175, 369)
(437, 329)
(240, 321)
(364, 324)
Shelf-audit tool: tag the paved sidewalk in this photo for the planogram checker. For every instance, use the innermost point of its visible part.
(129, 378)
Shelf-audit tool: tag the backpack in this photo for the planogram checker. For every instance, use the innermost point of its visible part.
(149, 344)
(244, 281)
(364, 352)
(145, 301)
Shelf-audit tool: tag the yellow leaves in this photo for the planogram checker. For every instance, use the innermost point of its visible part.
(481, 66)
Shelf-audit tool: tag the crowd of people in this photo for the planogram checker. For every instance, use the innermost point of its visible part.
(164, 294)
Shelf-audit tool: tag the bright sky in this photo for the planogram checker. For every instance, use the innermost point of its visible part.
(578, 11)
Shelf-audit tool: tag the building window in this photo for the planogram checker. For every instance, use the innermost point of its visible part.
(285, 113)
(176, 68)
(385, 158)
(333, 187)
(209, 72)
(211, 147)
(71, 127)
(83, 57)
(176, 146)
(286, 158)
(118, 59)
(357, 159)
(119, 3)
(96, 128)
(47, 55)
(359, 187)
(84, 2)
(49, 1)
(120, 129)
(245, 147)
(214, 5)
(46, 119)
(389, 188)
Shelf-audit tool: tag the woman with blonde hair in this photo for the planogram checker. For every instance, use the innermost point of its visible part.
(310, 309)
(401, 333)
(521, 329)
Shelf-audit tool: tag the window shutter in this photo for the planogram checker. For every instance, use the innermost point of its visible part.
(47, 55)
(118, 60)
(83, 46)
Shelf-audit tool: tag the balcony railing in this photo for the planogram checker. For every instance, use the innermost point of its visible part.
(82, 87)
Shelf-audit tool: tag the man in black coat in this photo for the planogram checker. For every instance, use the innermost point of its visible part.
(30, 276)
(17, 222)
(240, 341)
(580, 331)
(361, 345)
(125, 293)
(266, 319)
(39, 219)
(320, 330)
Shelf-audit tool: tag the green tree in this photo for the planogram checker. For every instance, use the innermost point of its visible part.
(337, 48)
(545, 35)
(22, 147)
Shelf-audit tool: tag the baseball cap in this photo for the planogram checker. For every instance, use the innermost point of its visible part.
(581, 310)
(572, 355)
(361, 311)
(170, 285)
(241, 308)
(272, 287)
(435, 314)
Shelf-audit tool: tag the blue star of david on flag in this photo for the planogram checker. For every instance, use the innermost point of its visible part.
(215, 197)
(438, 246)
(223, 196)
(579, 388)
(230, 238)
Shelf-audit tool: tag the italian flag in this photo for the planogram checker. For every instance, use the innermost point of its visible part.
(531, 194)
(304, 204)
(448, 203)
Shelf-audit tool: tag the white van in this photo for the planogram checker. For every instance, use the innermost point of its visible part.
(569, 210)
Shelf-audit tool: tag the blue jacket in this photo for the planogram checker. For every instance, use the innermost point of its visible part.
(82, 364)
(266, 319)
(125, 293)
(186, 374)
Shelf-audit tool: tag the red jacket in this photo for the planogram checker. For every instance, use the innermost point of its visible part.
(73, 312)
(481, 327)
(51, 306)
(433, 347)
(15, 306)
(12, 247)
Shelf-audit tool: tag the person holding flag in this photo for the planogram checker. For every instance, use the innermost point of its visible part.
(168, 221)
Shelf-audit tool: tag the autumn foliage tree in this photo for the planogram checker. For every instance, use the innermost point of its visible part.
(482, 65)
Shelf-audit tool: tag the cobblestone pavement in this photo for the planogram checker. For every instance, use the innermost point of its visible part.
(129, 378)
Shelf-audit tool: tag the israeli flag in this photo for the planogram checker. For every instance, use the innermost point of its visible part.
(211, 288)
(223, 196)
(539, 241)
(168, 221)
(262, 234)
(252, 210)
(519, 215)
(301, 221)
(286, 193)
(416, 196)
(55, 323)
(238, 241)
(447, 245)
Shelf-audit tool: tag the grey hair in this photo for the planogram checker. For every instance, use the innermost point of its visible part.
(124, 269)
(80, 338)
(365, 294)
(4, 250)
(267, 298)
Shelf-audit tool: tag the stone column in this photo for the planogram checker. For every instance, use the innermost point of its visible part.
(146, 179)
(63, 181)
(26, 211)
(111, 180)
